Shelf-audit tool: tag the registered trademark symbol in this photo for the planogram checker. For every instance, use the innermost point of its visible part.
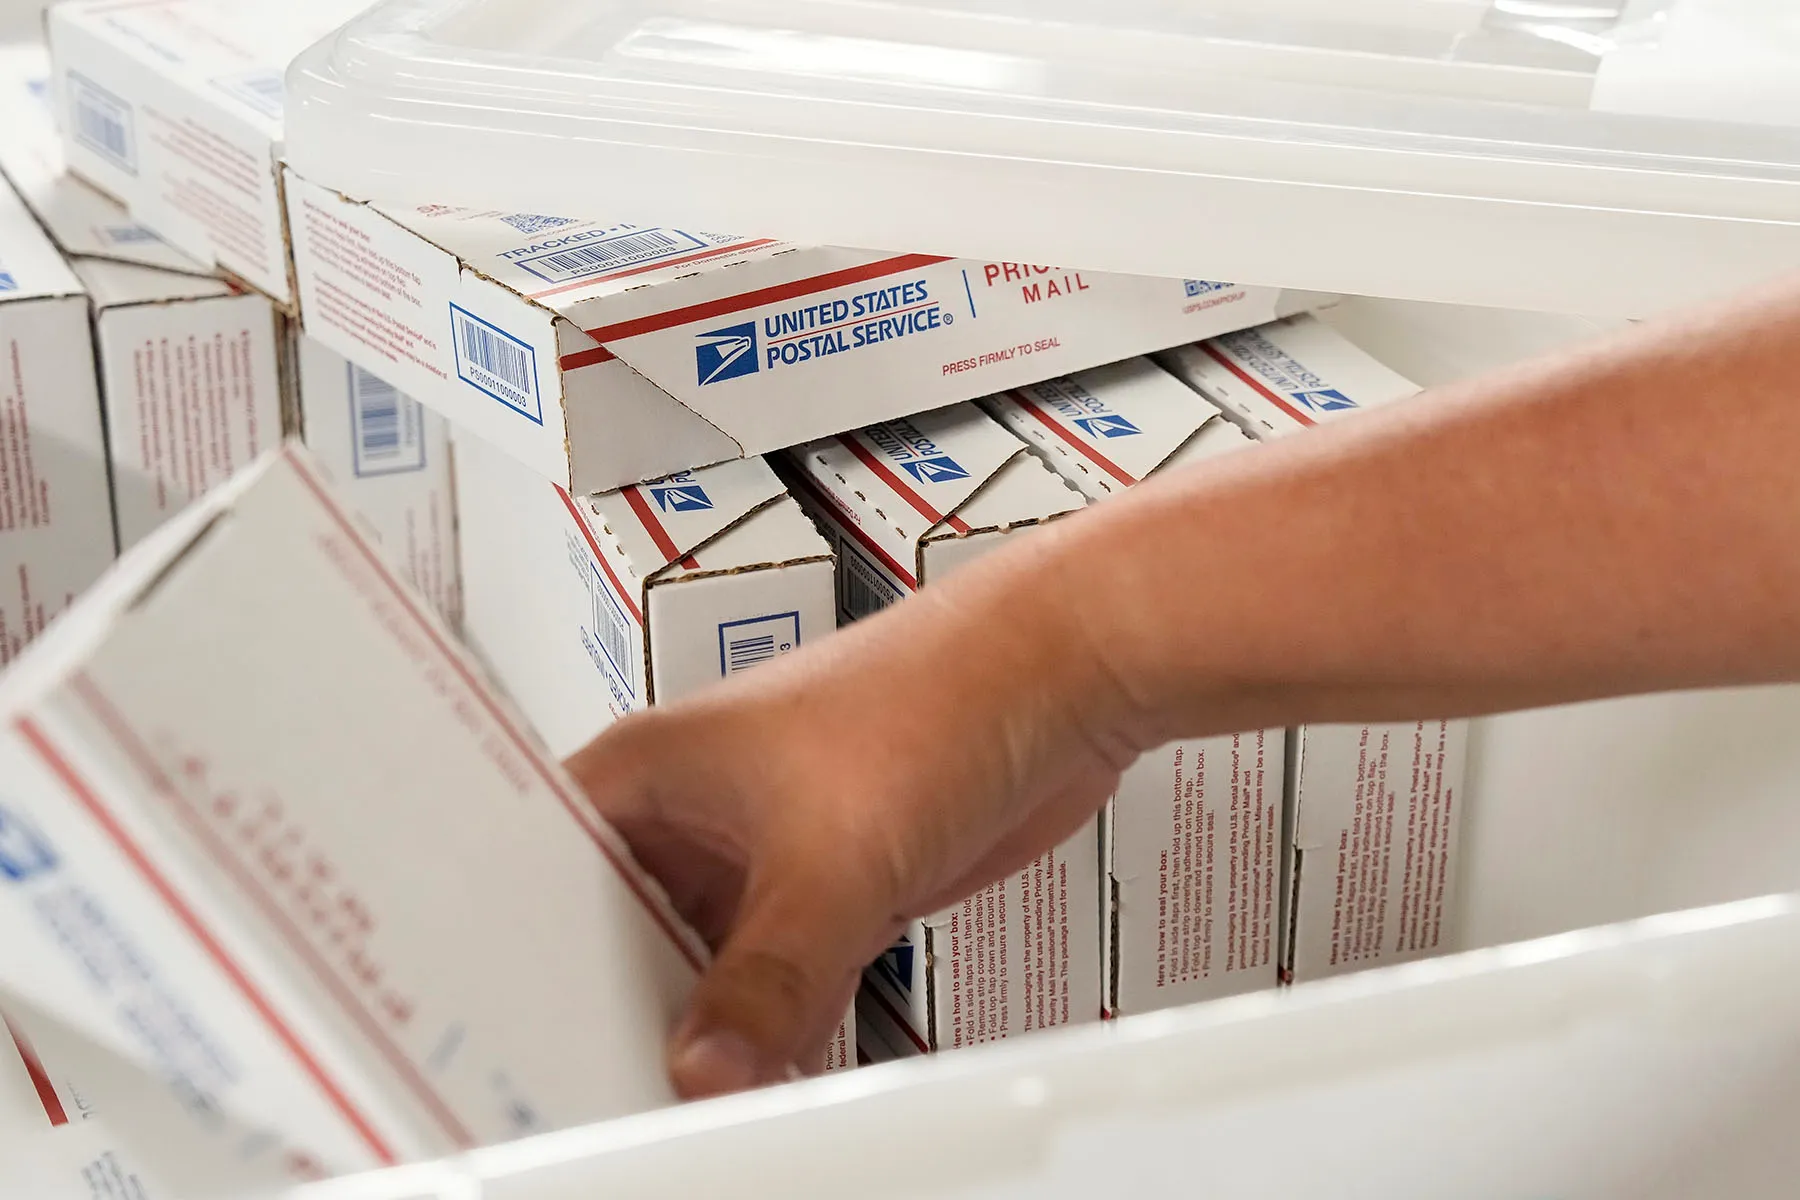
(949, 318)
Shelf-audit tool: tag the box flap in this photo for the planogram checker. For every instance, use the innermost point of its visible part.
(113, 284)
(934, 462)
(774, 535)
(572, 265)
(1107, 428)
(663, 522)
(30, 266)
(1286, 376)
(81, 219)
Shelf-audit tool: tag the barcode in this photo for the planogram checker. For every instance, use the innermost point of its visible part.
(863, 587)
(610, 254)
(753, 642)
(496, 362)
(129, 235)
(613, 633)
(387, 426)
(102, 122)
(530, 223)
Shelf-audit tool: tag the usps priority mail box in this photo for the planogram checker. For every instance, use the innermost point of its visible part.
(1376, 810)
(193, 373)
(603, 354)
(1191, 841)
(268, 836)
(174, 108)
(56, 525)
(905, 502)
(389, 456)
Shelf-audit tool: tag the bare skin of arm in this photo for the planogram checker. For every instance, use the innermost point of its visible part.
(1624, 518)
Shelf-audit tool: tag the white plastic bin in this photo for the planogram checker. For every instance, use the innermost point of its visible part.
(1496, 154)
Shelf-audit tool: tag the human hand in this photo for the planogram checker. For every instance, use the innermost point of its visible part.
(801, 814)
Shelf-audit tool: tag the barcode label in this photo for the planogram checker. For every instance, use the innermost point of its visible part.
(102, 122)
(592, 260)
(261, 90)
(863, 587)
(751, 643)
(496, 362)
(387, 428)
(612, 633)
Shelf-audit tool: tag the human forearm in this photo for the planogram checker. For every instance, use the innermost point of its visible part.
(1617, 521)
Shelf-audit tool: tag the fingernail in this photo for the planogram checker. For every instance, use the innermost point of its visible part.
(714, 1064)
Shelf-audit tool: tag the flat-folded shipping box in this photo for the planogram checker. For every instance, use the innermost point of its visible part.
(85, 222)
(192, 371)
(907, 502)
(586, 609)
(56, 524)
(1191, 841)
(389, 456)
(1374, 809)
(268, 836)
(174, 108)
(606, 354)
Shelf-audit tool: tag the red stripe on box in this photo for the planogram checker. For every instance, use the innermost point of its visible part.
(1088, 452)
(904, 1025)
(903, 490)
(88, 799)
(665, 545)
(40, 1078)
(856, 531)
(135, 749)
(624, 593)
(1256, 384)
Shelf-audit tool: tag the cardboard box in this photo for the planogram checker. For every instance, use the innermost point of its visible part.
(390, 458)
(83, 221)
(587, 609)
(908, 502)
(1191, 841)
(56, 524)
(192, 369)
(267, 836)
(882, 1034)
(174, 108)
(1375, 810)
(605, 354)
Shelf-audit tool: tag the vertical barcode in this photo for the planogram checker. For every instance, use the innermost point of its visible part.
(613, 634)
(101, 122)
(862, 589)
(377, 417)
(501, 364)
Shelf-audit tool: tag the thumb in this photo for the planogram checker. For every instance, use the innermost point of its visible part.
(792, 959)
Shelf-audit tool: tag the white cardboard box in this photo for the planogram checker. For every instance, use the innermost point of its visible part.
(174, 107)
(267, 836)
(605, 354)
(192, 371)
(1375, 810)
(83, 221)
(389, 456)
(588, 609)
(1192, 839)
(56, 523)
(908, 502)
